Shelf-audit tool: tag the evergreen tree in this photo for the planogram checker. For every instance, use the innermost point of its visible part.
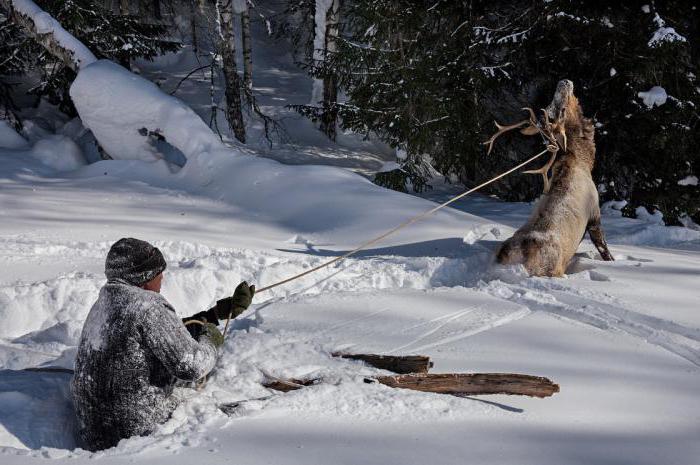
(430, 77)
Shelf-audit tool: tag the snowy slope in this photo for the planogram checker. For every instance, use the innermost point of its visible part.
(621, 338)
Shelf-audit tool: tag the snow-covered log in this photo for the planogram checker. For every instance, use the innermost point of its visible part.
(122, 109)
(43, 28)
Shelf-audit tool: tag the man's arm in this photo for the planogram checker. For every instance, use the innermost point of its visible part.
(224, 308)
(196, 330)
(166, 336)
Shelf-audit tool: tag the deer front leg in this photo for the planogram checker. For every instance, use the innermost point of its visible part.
(595, 230)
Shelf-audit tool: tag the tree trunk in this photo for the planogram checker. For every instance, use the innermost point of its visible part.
(397, 364)
(247, 49)
(63, 46)
(473, 384)
(193, 25)
(330, 82)
(234, 111)
(124, 7)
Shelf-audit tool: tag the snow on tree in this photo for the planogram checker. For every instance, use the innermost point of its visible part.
(122, 109)
(429, 79)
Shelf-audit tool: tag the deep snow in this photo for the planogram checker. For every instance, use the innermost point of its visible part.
(621, 338)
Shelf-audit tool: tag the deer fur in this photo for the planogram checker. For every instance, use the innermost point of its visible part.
(569, 206)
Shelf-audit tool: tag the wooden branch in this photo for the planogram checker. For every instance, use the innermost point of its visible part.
(458, 384)
(286, 385)
(45, 34)
(402, 364)
(473, 384)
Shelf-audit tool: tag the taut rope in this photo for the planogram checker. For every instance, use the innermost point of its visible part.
(408, 222)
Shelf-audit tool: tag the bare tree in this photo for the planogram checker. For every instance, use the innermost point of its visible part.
(232, 83)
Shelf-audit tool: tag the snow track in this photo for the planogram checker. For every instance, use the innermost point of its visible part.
(600, 310)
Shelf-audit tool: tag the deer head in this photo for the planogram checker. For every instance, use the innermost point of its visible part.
(561, 117)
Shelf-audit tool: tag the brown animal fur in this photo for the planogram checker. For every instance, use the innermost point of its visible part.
(549, 239)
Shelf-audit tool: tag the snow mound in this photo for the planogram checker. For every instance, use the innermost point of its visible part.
(9, 139)
(124, 111)
(59, 152)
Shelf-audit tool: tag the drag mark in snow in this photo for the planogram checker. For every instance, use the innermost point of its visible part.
(600, 311)
(480, 320)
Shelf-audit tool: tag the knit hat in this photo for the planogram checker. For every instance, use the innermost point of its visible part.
(134, 261)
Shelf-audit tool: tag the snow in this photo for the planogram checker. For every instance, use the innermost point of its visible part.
(239, 6)
(59, 152)
(45, 24)
(621, 338)
(688, 181)
(664, 34)
(654, 97)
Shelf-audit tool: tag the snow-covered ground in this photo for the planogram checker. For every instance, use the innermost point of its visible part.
(621, 338)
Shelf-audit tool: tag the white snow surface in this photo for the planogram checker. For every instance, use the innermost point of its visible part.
(621, 338)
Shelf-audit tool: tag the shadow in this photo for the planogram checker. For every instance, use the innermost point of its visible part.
(505, 407)
(453, 247)
(36, 410)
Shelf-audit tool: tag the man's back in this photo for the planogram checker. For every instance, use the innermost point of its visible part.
(132, 349)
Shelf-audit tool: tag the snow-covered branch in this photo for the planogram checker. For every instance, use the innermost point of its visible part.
(49, 33)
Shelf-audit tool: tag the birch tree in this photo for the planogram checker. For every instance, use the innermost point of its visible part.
(232, 82)
(242, 9)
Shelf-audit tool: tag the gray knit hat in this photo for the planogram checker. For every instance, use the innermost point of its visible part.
(134, 261)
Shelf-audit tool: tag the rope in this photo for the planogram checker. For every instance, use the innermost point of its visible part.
(406, 223)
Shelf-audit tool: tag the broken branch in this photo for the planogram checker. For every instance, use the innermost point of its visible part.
(398, 364)
(473, 384)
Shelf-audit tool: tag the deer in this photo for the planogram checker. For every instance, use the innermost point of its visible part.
(569, 205)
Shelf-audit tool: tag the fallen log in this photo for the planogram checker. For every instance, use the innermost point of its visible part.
(457, 384)
(286, 385)
(398, 364)
(473, 383)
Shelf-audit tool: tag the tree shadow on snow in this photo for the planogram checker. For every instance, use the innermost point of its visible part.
(36, 410)
(453, 247)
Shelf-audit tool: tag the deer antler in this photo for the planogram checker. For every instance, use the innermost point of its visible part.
(501, 130)
(556, 136)
(530, 130)
(544, 171)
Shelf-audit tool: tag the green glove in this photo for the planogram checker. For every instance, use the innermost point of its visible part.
(212, 333)
(237, 304)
